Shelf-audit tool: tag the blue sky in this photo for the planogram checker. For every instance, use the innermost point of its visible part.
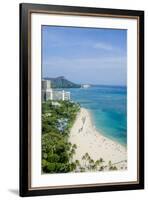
(85, 55)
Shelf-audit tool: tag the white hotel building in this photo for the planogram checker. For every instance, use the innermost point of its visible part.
(50, 94)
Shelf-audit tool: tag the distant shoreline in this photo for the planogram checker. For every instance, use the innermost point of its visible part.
(82, 83)
(89, 140)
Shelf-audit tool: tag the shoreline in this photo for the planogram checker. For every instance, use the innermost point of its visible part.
(89, 140)
(100, 132)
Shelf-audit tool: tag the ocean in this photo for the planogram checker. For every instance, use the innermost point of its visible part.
(108, 107)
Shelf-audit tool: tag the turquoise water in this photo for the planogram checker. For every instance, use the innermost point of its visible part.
(108, 107)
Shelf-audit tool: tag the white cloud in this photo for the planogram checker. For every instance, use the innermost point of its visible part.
(99, 62)
(103, 46)
(56, 41)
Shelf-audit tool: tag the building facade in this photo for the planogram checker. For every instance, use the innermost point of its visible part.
(85, 85)
(50, 94)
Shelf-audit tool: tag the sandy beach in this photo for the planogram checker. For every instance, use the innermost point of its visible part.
(89, 140)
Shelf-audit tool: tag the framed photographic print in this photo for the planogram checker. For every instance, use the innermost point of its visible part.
(81, 99)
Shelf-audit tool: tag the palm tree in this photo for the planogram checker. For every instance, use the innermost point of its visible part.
(70, 156)
(91, 162)
(93, 167)
(74, 146)
(110, 164)
(82, 169)
(88, 158)
(87, 155)
(77, 162)
(97, 163)
(72, 166)
(101, 160)
(83, 157)
(101, 168)
(73, 151)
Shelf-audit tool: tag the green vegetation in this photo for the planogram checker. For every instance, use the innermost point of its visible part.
(57, 153)
(57, 119)
(89, 164)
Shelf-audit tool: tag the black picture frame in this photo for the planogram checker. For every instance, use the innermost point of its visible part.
(25, 92)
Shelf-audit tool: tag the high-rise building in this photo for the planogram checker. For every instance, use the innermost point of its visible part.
(50, 94)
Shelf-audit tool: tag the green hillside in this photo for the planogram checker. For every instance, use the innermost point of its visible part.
(61, 82)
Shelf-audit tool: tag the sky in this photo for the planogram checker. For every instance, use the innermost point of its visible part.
(85, 55)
